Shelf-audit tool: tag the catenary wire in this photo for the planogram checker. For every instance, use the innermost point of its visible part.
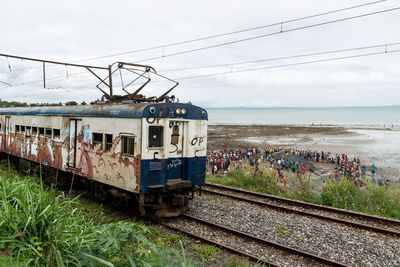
(230, 64)
(280, 58)
(232, 32)
(287, 65)
(263, 68)
(269, 34)
(239, 31)
(224, 65)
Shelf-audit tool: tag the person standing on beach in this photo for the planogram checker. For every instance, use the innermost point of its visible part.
(303, 170)
(373, 170)
(363, 170)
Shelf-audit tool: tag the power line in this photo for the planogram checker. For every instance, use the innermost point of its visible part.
(240, 31)
(48, 79)
(261, 68)
(287, 65)
(232, 32)
(255, 61)
(5, 83)
(270, 34)
(280, 58)
(281, 66)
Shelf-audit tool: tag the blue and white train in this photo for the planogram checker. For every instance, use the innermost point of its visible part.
(155, 152)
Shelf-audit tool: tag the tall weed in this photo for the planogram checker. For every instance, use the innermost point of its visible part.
(31, 233)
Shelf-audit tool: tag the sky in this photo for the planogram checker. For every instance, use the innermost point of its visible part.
(74, 31)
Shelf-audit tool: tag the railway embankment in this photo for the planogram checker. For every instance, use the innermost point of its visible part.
(340, 243)
(344, 194)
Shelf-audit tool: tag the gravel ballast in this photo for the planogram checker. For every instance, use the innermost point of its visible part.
(351, 216)
(337, 242)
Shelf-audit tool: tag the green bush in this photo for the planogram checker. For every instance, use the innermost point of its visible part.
(372, 199)
(327, 198)
(41, 227)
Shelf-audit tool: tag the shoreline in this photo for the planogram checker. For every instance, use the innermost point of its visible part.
(373, 145)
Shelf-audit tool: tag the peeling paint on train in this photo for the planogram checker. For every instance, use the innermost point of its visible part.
(74, 150)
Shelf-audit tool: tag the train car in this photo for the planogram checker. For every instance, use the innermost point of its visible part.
(155, 152)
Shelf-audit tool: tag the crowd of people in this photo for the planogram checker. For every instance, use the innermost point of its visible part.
(298, 162)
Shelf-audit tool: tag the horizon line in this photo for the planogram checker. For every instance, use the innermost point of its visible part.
(286, 107)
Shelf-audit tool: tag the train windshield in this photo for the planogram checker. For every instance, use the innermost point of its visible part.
(156, 134)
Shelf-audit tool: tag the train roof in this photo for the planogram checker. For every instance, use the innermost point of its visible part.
(138, 110)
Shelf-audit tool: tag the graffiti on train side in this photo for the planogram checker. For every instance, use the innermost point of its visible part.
(83, 147)
(114, 167)
(91, 161)
(110, 166)
(39, 149)
(174, 163)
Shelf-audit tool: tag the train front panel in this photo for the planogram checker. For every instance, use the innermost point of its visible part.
(174, 142)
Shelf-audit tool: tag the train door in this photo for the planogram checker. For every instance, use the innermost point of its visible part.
(175, 163)
(7, 133)
(74, 128)
(8, 125)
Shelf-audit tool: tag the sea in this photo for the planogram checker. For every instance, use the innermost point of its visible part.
(377, 129)
(342, 116)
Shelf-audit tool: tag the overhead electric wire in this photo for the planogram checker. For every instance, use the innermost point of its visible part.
(48, 79)
(255, 61)
(287, 65)
(240, 31)
(233, 32)
(266, 67)
(5, 83)
(270, 34)
(280, 58)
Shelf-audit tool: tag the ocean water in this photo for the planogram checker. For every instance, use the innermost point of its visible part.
(376, 139)
(343, 116)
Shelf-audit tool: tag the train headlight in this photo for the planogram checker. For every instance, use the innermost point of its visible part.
(203, 113)
(183, 111)
(152, 110)
(178, 111)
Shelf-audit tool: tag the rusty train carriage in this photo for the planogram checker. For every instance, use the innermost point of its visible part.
(156, 151)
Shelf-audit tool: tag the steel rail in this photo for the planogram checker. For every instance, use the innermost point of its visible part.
(308, 205)
(207, 240)
(259, 240)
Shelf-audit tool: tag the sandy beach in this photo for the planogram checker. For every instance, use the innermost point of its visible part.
(372, 145)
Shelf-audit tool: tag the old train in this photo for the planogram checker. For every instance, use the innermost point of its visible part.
(152, 152)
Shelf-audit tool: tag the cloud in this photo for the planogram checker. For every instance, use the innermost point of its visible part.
(70, 30)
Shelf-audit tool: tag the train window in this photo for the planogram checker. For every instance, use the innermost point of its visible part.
(98, 140)
(128, 145)
(22, 129)
(34, 131)
(175, 135)
(28, 131)
(48, 132)
(17, 128)
(41, 131)
(109, 140)
(156, 136)
(56, 133)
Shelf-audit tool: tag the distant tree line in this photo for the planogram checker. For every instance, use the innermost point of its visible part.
(12, 104)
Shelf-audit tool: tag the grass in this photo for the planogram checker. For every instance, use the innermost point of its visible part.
(42, 227)
(282, 230)
(371, 199)
(206, 253)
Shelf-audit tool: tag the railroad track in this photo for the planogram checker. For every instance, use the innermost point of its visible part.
(351, 218)
(268, 253)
